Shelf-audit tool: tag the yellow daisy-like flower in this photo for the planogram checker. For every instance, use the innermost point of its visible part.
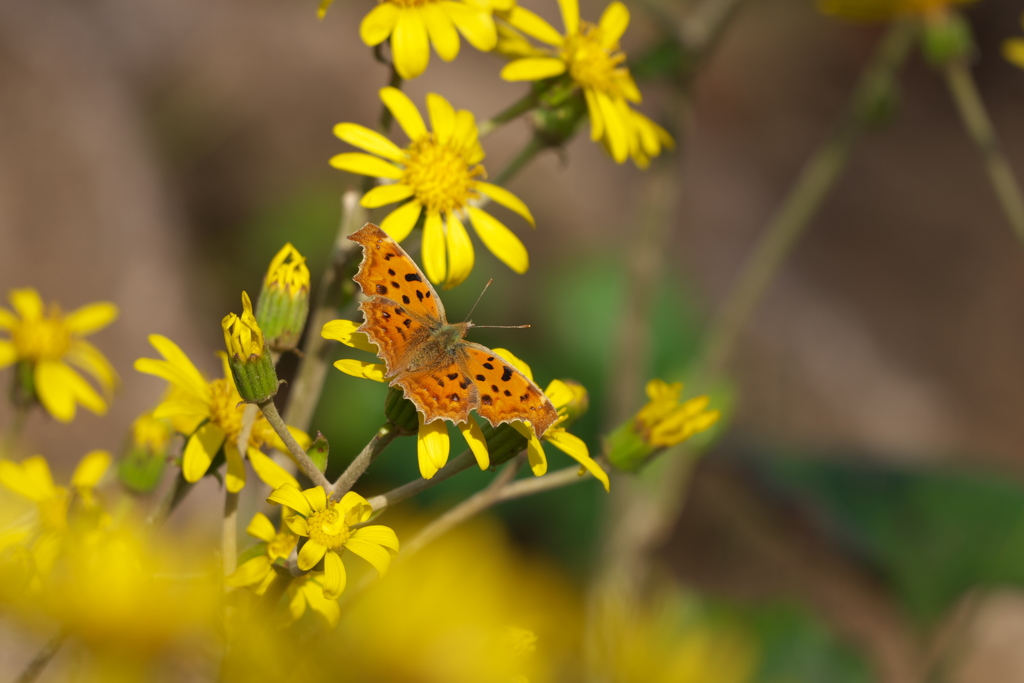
(590, 56)
(257, 572)
(47, 343)
(437, 176)
(665, 422)
(566, 397)
(210, 413)
(413, 25)
(328, 527)
(886, 10)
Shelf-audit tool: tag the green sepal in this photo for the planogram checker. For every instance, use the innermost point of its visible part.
(141, 469)
(947, 39)
(503, 443)
(318, 451)
(400, 411)
(282, 317)
(626, 449)
(255, 376)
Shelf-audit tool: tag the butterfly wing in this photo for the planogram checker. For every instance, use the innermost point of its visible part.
(440, 393)
(387, 271)
(505, 394)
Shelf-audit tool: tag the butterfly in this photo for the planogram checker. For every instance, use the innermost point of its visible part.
(444, 375)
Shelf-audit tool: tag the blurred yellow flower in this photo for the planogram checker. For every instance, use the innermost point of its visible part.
(48, 342)
(210, 414)
(665, 422)
(1013, 49)
(412, 23)
(257, 572)
(328, 526)
(589, 54)
(437, 176)
(886, 10)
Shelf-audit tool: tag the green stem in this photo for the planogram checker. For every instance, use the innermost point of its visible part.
(361, 462)
(305, 464)
(532, 148)
(462, 462)
(517, 108)
(334, 292)
(812, 186)
(979, 126)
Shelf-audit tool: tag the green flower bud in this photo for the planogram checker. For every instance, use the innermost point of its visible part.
(249, 356)
(946, 37)
(283, 305)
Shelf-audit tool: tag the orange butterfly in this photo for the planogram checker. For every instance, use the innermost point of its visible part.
(444, 375)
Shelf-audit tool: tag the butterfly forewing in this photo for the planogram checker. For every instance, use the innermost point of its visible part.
(394, 330)
(505, 393)
(387, 271)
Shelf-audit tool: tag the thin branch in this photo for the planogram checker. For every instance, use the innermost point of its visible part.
(305, 464)
(463, 461)
(384, 436)
(42, 658)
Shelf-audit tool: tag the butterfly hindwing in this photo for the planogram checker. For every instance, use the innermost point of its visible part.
(387, 271)
(443, 392)
(505, 393)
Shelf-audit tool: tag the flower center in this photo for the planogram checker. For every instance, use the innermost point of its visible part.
(226, 412)
(591, 64)
(328, 528)
(45, 338)
(440, 174)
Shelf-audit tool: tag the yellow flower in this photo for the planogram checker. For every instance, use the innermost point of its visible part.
(257, 572)
(590, 56)
(665, 422)
(886, 10)
(210, 414)
(328, 527)
(565, 397)
(412, 23)
(48, 342)
(439, 176)
(1013, 49)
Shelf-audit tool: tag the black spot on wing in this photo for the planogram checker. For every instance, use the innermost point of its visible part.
(413, 277)
(407, 322)
(381, 289)
(405, 299)
(489, 366)
(419, 295)
(507, 375)
(480, 378)
(391, 272)
(453, 375)
(486, 400)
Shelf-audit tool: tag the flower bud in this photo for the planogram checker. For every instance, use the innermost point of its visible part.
(145, 458)
(400, 411)
(283, 305)
(249, 355)
(946, 37)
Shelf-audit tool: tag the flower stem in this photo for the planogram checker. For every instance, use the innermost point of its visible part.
(532, 148)
(358, 466)
(517, 108)
(229, 533)
(979, 126)
(305, 464)
(462, 462)
(334, 292)
(46, 653)
(812, 186)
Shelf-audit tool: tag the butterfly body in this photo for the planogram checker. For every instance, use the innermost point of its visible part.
(444, 375)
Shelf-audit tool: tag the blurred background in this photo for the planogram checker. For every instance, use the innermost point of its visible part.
(862, 516)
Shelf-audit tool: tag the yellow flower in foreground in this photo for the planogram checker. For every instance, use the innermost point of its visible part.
(590, 56)
(564, 396)
(210, 414)
(257, 571)
(886, 10)
(48, 343)
(437, 176)
(411, 23)
(328, 527)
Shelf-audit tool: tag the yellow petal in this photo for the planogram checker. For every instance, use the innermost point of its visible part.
(432, 446)
(409, 43)
(31, 478)
(311, 553)
(345, 331)
(500, 240)
(88, 358)
(434, 263)
(404, 111)
(383, 195)
(570, 15)
(378, 24)
(474, 436)
(8, 353)
(250, 573)
(90, 318)
(535, 27)
(516, 362)
(290, 496)
(400, 222)
(91, 469)
(369, 141)
(616, 128)
(441, 31)
(613, 23)
(60, 389)
(596, 118)
(185, 405)
(317, 498)
(1013, 51)
(321, 11)
(534, 449)
(7, 319)
(329, 610)
(502, 196)
(261, 527)
(371, 552)
(477, 26)
(460, 252)
(269, 472)
(575, 448)
(27, 303)
(200, 451)
(559, 393)
(234, 478)
(334, 576)
(533, 69)
(442, 117)
(177, 368)
(358, 368)
(364, 164)
(297, 524)
(380, 535)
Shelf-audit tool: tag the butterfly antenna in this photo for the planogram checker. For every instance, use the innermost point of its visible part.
(478, 300)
